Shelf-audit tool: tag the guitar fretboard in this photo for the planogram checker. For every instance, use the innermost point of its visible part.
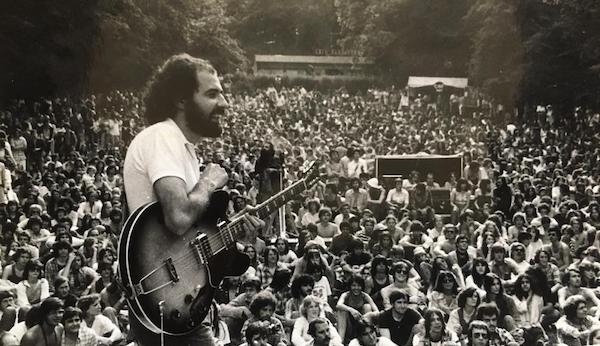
(232, 231)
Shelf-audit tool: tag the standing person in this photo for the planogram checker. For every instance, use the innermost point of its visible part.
(48, 329)
(184, 103)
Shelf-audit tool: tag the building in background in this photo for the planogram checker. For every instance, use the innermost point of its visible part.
(314, 66)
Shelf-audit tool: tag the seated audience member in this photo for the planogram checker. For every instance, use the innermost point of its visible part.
(105, 329)
(48, 326)
(74, 332)
(311, 312)
(399, 322)
(352, 305)
(367, 336)
(262, 308)
(34, 288)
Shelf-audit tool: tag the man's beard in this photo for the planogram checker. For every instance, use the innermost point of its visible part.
(203, 124)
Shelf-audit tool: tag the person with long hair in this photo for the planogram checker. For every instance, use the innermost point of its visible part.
(435, 332)
(367, 335)
(443, 263)
(528, 301)
(444, 293)
(311, 215)
(479, 269)
(386, 242)
(34, 288)
(484, 250)
(379, 275)
(495, 294)
(468, 300)
(47, 327)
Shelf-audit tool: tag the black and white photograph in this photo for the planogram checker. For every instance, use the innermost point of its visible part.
(300, 173)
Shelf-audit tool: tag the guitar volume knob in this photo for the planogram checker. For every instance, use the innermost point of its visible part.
(175, 315)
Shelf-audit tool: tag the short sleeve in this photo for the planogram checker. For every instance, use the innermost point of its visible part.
(165, 158)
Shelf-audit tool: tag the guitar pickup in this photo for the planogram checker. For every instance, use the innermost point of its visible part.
(171, 269)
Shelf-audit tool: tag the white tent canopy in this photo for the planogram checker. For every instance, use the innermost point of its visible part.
(418, 82)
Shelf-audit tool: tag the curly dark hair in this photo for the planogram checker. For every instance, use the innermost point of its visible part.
(298, 282)
(174, 81)
(260, 300)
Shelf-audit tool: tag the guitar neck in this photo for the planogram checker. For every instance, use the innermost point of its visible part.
(233, 230)
(275, 202)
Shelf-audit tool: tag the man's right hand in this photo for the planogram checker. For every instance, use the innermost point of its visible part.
(215, 175)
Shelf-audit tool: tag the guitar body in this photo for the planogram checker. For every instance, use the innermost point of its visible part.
(162, 270)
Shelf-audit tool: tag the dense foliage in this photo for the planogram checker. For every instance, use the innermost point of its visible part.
(519, 51)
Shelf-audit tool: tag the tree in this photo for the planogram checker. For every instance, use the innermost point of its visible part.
(283, 26)
(407, 36)
(497, 60)
(71, 47)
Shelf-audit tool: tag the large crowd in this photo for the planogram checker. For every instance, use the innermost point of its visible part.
(354, 260)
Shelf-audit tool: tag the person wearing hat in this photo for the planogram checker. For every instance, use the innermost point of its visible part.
(398, 197)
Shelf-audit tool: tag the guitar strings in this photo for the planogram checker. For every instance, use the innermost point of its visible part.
(236, 226)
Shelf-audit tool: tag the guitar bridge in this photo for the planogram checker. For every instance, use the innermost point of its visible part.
(171, 269)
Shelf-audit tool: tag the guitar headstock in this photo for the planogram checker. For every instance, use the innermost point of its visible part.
(313, 173)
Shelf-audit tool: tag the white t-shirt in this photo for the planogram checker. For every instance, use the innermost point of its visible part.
(381, 341)
(102, 325)
(160, 150)
(322, 289)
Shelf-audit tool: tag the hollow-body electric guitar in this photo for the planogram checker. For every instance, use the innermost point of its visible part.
(170, 279)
